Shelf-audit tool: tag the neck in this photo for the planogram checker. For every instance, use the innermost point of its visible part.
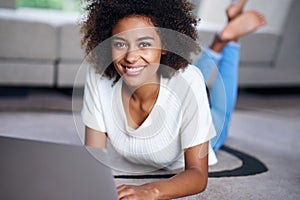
(144, 93)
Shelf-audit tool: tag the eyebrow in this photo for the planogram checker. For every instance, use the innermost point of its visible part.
(145, 38)
(118, 38)
(139, 39)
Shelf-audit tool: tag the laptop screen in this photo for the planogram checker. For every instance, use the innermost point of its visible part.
(40, 170)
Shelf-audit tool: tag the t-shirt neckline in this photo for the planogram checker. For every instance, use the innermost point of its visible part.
(149, 119)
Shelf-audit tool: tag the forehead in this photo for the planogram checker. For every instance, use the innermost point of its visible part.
(134, 26)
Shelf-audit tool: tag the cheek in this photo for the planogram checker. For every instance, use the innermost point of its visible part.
(118, 68)
(116, 55)
(153, 56)
(116, 58)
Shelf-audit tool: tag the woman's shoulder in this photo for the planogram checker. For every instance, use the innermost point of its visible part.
(191, 73)
(190, 77)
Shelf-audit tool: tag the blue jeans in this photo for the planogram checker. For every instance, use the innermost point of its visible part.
(223, 92)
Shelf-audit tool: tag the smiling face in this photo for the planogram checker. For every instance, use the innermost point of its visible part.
(136, 50)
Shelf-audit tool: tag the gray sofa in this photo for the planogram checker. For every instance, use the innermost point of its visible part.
(39, 48)
(42, 48)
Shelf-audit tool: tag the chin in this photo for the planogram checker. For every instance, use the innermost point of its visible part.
(133, 82)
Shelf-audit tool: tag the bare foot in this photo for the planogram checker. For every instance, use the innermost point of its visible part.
(245, 23)
(235, 9)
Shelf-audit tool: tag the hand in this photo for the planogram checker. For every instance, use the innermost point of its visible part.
(131, 192)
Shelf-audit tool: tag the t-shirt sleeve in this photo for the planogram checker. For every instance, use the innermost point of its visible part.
(92, 112)
(197, 126)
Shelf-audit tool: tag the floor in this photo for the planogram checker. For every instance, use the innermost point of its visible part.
(265, 126)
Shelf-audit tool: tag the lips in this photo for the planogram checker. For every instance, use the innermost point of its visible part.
(133, 70)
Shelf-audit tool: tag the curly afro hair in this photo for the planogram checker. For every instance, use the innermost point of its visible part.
(176, 15)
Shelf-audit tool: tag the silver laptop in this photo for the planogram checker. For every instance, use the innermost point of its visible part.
(36, 170)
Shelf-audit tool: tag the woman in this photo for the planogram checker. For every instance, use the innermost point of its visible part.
(149, 103)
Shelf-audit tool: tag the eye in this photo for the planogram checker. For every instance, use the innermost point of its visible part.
(119, 45)
(145, 44)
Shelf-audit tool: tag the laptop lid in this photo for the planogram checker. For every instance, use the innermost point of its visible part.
(40, 170)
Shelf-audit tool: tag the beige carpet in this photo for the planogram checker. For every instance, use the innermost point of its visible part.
(263, 127)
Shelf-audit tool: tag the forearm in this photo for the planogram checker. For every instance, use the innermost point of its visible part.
(189, 182)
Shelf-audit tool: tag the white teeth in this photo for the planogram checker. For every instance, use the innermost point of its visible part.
(134, 69)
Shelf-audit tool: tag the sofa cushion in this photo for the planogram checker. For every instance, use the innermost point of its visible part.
(69, 44)
(32, 33)
(22, 36)
(71, 74)
(259, 47)
(27, 73)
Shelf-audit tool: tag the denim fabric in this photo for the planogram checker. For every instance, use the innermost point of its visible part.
(223, 92)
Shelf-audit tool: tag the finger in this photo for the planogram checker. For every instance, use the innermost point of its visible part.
(121, 187)
(129, 197)
(126, 192)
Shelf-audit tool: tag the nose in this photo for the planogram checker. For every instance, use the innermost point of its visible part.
(132, 55)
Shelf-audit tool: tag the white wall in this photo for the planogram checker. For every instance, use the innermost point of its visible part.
(213, 12)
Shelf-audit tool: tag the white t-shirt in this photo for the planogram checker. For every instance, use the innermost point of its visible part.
(179, 119)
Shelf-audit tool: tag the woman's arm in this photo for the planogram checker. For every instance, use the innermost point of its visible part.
(95, 138)
(192, 180)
